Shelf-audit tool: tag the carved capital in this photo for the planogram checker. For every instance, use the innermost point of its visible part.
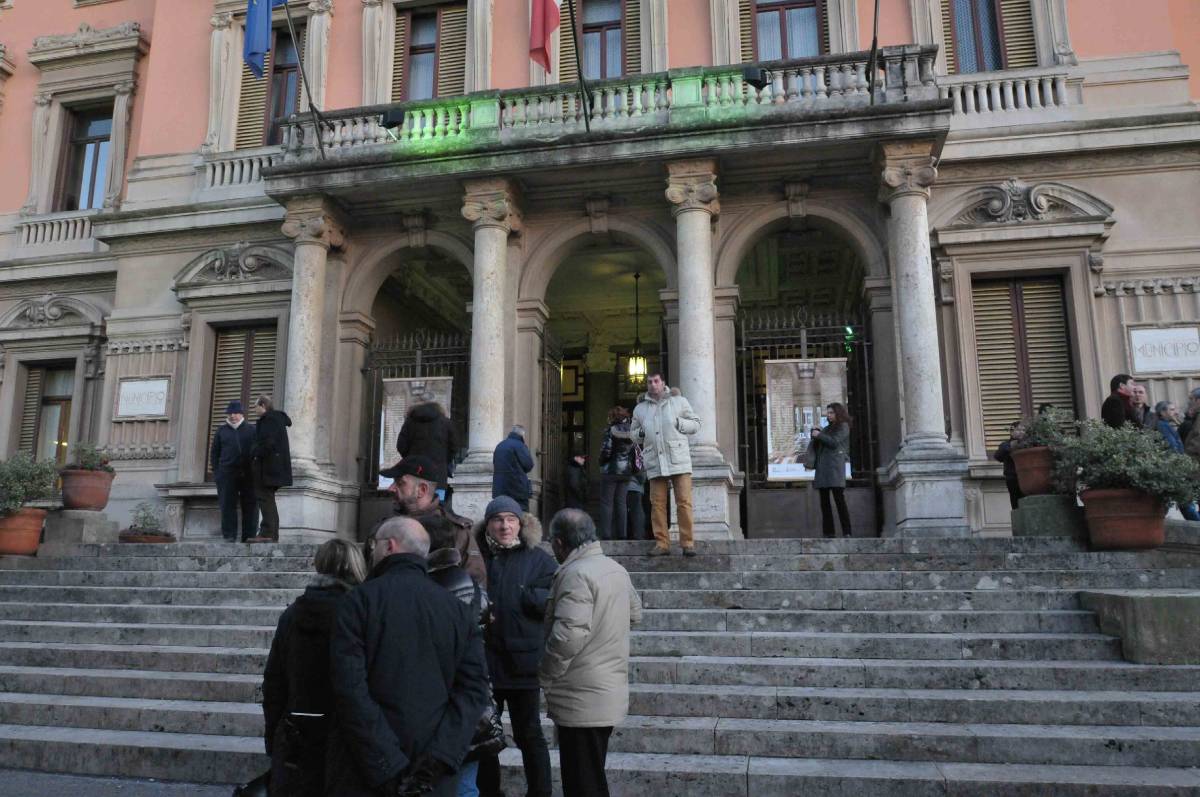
(907, 178)
(372, 3)
(313, 222)
(692, 185)
(222, 20)
(320, 7)
(43, 100)
(493, 203)
(123, 89)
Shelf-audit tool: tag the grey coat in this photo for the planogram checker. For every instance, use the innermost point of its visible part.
(832, 446)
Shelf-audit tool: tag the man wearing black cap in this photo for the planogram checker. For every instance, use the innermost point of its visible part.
(230, 463)
(414, 490)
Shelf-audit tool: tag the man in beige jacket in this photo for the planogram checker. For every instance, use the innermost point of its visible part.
(585, 669)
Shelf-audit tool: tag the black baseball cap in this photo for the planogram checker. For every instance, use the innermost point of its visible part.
(415, 465)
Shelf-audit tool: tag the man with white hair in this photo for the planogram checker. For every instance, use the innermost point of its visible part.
(403, 734)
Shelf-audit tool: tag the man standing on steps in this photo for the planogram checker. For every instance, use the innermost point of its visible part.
(662, 422)
(511, 463)
(585, 669)
(272, 463)
(408, 672)
(230, 463)
(414, 493)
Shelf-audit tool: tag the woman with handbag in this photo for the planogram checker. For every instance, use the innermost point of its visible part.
(616, 469)
(831, 448)
(297, 692)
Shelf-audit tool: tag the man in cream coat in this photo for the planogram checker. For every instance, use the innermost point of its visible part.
(585, 669)
(662, 423)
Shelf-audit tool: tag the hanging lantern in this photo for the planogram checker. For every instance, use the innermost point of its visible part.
(636, 368)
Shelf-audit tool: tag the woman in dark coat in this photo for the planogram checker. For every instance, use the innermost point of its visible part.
(616, 469)
(297, 692)
(428, 432)
(832, 446)
(271, 457)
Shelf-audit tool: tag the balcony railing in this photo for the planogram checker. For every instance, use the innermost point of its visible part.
(241, 167)
(674, 101)
(56, 228)
(1011, 91)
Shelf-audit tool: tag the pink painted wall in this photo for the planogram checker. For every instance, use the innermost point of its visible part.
(689, 33)
(176, 87)
(343, 82)
(1154, 25)
(1185, 32)
(895, 22)
(510, 44)
(19, 26)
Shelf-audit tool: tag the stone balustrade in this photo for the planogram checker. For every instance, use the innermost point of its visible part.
(240, 167)
(676, 100)
(58, 228)
(1009, 91)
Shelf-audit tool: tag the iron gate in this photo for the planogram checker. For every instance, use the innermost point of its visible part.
(550, 451)
(414, 355)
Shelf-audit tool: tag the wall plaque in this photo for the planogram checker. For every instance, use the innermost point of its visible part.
(142, 398)
(1159, 350)
(797, 393)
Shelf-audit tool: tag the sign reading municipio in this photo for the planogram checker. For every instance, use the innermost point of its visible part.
(1157, 350)
(142, 398)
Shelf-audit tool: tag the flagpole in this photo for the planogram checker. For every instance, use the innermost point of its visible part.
(585, 94)
(872, 62)
(312, 106)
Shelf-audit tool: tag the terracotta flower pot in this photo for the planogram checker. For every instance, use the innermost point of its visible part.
(132, 536)
(86, 489)
(1126, 519)
(21, 531)
(1035, 469)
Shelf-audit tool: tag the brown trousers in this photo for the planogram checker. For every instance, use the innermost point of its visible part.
(659, 501)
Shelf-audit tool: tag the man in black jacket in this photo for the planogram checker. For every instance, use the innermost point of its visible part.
(1117, 409)
(409, 676)
(230, 463)
(272, 463)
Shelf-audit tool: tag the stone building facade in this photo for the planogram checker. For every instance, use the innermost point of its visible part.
(994, 222)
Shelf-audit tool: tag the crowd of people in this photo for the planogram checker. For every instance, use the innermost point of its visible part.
(1127, 403)
(249, 463)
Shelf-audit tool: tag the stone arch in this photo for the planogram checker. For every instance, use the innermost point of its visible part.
(746, 231)
(372, 268)
(552, 251)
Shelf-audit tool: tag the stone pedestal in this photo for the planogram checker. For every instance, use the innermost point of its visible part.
(472, 483)
(316, 508)
(715, 490)
(930, 499)
(1155, 626)
(1049, 516)
(69, 526)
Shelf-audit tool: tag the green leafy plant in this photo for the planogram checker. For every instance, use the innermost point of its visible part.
(1047, 428)
(23, 479)
(1104, 458)
(88, 457)
(147, 518)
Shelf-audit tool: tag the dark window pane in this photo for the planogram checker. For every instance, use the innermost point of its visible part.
(424, 31)
(990, 58)
(100, 175)
(802, 33)
(612, 52)
(965, 53)
(591, 56)
(770, 40)
(285, 50)
(96, 126)
(84, 189)
(420, 81)
(601, 11)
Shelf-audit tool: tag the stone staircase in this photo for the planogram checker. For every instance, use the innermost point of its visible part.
(774, 667)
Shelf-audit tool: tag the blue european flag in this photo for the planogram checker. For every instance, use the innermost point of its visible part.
(258, 34)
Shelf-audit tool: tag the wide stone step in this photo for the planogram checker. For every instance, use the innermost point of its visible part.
(172, 658)
(133, 714)
(854, 600)
(850, 673)
(880, 622)
(877, 646)
(191, 596)
(147, 614)
(137, 634)
(162, 579)
(151, 684)
(940, 580)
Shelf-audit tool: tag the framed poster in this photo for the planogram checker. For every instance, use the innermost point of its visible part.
(1165, 350)
(399, 396)
(142, 398)
(798, 391)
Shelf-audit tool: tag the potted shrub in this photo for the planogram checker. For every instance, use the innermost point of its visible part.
(1035, 452)
(146, 525)
(1126, 478)
(86, 482)
(22, 480)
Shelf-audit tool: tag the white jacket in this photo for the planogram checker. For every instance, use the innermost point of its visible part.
(662, 427)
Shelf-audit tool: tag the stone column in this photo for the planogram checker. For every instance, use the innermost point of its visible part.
(493, 206)
(692, 189)
(928, 472)
(312, 223)
(378, 37)
(316, 51)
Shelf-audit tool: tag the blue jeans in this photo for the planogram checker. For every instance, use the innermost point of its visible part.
(466, 780)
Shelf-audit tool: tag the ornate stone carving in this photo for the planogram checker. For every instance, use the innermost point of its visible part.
(1095, 262)
(415, 227)
(692, 185)
(146, 345)
(242, 262)
(93, 361)
(945, 272)
(493, 203)
(310, 222)
(136, 451)
(320, 7)
(1015, 202)
(51, 310)
(796, 192)
(596, 208)
(907, 177)
(1149, 286)
(221, 20)
(86, 36)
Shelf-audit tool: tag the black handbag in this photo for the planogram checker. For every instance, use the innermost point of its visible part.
(489, 737)
(259, 787)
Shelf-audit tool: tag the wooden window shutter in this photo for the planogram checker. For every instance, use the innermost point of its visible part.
(633, 37)
(452, 51)
(30, 410)
(948, 42)
(746, 18)
(262, 363)
(1020, 45)
(400, 56)
(252, 107)
(568, 70)
(996, 357)
(1047, 344)
(243, 368)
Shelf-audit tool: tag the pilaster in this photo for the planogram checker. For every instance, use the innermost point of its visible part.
(316, 51)
(378, 46)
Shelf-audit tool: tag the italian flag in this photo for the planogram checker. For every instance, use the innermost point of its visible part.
(544, 19)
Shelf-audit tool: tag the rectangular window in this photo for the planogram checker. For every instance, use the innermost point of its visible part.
(243, 369)
(787, 29)
(46, 412)
(85, 171)
(601, 37)
(1023, 351)
(988, 35)
(431, 53)
(265, 105)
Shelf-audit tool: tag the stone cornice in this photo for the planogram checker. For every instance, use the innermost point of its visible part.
(146, 345)
(88, 41)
